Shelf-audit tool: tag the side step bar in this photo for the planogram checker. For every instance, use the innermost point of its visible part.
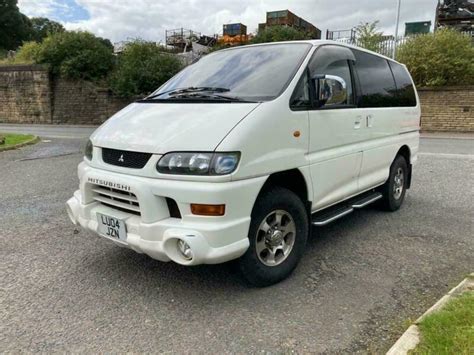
(331, 214)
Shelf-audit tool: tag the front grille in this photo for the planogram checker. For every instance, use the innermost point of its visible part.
(125, 158)
(118, 199)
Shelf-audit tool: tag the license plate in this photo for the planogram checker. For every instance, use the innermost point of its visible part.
(112, 227)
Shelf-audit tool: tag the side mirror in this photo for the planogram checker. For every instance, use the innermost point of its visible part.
(330, 90)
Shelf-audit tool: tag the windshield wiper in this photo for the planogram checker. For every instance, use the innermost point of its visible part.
(206, 96)
(190, 89)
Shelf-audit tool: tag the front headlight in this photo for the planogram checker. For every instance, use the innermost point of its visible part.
(198, 163)
(88, 150)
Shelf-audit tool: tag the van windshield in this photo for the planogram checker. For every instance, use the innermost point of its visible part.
(257, 73)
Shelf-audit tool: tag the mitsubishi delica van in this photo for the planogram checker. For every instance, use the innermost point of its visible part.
(242, 152)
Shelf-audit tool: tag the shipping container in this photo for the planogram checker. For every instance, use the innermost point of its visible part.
(287, 18)
(413, 28)
(233, 40)
(234, 29)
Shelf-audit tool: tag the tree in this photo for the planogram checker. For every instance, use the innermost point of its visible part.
(142, 67)
(445, 57)
(14, 26)
(42, 27)
(367, 35)
(279, 33)
(76, 55)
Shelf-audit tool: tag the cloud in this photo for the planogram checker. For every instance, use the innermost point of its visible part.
(38, 8)
(148, 19)
(58, 10)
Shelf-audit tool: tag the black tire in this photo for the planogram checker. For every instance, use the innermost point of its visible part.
(279, 201)
(393, 199)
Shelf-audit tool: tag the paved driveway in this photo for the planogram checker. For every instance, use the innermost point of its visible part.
(361, 279)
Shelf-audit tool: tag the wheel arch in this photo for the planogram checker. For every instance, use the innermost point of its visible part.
(405, 152)
(293, 180)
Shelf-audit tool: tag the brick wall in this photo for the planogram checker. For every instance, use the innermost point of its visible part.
(447, 109)
(29, 95)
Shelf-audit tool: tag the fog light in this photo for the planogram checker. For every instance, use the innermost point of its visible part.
(185, 249)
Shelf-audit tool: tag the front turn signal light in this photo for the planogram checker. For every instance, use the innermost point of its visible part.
(207, 210)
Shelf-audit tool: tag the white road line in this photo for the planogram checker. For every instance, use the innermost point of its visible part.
(449, 155)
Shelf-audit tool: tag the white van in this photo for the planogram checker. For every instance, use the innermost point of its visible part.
(239, 154)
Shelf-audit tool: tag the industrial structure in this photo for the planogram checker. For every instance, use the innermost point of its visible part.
(287, 18)
(458, 14)
(183, 39)
(186, 40)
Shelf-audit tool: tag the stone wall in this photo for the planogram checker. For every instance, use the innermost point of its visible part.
(28, 94)
(81, 102)
(447, 109)
(25, 94)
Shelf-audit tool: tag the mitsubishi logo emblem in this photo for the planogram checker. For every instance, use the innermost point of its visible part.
(121, 159)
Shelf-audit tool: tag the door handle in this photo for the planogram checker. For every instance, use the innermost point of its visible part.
(357, 122)
(370, 120)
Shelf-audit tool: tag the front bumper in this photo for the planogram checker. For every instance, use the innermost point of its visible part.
(212, 239)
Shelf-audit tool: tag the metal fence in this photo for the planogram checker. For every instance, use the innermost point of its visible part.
(384, 47)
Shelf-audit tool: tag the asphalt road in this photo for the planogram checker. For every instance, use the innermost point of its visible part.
(360, 281)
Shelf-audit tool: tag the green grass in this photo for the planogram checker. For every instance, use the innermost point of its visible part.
(450, 330)
(14, 139)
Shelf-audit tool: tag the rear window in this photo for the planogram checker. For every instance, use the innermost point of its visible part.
(405, 91)
(376, 80)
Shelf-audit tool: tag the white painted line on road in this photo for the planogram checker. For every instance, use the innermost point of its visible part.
(449, 155)
(65, 137)
(467, 137)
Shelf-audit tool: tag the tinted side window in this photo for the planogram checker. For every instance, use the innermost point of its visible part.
(376, 81)
(341, 69)
(405, 91)
(328, 61)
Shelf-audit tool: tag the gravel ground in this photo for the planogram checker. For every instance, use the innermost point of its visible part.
(360, 281)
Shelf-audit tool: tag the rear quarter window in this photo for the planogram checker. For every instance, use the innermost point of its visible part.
(405, 90)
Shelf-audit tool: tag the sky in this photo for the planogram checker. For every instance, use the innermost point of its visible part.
(119, 20)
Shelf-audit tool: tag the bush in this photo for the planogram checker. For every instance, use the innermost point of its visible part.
(279, 33)
(76, 55)
(28, 53)
(142, 67)
(445, 57)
